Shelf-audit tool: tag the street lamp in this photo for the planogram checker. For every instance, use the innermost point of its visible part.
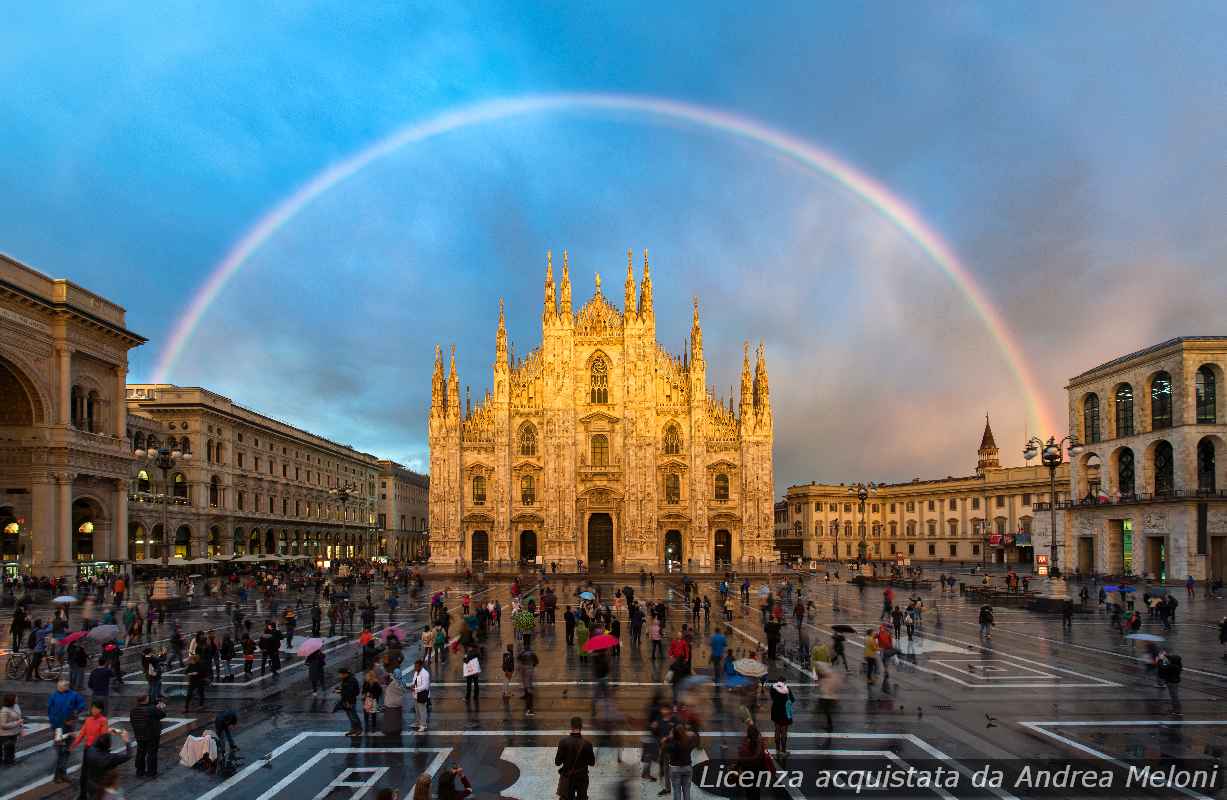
(164, 458)
(862, 492)
(1052, 454)
(344, 494)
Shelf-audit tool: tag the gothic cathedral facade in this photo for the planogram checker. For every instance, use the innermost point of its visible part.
(601, 447)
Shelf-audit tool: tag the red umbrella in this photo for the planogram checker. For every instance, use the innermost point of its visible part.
(602, 642)
(72, 637)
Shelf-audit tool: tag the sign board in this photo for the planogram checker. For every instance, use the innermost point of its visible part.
(1041, 569)
(1041, 559)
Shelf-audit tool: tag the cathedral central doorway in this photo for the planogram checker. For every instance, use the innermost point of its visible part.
(528, 546)
(673, 547)
(600, 542)
(724, 547)
(481, 547)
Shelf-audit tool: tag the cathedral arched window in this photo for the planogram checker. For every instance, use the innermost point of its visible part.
(600, 450)
(1206, 396)
(673, 440)
(673, 488)
(528, 439)
(1161, 401)
(600, 381)
(722, 486)
(1090, 418)
(479, 489)
(1124, 410)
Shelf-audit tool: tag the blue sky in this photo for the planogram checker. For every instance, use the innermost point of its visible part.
(1072, 154)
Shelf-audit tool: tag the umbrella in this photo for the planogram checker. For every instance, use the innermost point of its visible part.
(1145, 637)
(65, 598)
(309, 646)
(1111, 589)
(843, 629)
(72, 637)
(750, 668)
(391, 633)
(736, 681)
(1127, 589)
(764, 590)
(587, 596)
(104, 633)
(602, 642)
(691, 681)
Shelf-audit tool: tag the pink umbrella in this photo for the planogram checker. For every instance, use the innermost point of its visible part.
(391, 633)
(309, 646)
(602, 642)
(72, 637)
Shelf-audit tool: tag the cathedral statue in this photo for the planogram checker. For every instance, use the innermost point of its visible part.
(601, 448)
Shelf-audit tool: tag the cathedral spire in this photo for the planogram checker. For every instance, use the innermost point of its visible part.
(468, 401)
(551, 304)
(762, 394)
(500, 339)
(747, 382)
(437, 398)
(645, 288)
(453, 388)
(629, 306)
(696, 335)
(566, 285)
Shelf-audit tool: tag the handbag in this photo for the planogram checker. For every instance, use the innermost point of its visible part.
(472, 667)
(369, 705)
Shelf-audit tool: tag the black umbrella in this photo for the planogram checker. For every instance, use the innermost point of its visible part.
(843, 629)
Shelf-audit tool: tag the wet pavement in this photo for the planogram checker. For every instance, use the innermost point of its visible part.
(1032, 691)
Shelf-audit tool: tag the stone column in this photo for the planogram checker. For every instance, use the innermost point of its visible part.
(63, 532)
(119, 530)
(64, 383)
(42, 526)
(121, 405)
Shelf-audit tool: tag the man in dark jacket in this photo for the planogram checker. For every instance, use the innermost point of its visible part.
(98, 761)
(573, 759)
(197, 676)
(146, 720)
(349, 691)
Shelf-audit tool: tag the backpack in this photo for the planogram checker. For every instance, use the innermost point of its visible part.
(509, 663)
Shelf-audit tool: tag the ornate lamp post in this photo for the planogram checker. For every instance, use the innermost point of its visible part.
(164, 459)
(1052, 454)
(344, 494)
(862, 492)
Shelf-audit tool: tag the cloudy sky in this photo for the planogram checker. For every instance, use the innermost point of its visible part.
(1071, 155)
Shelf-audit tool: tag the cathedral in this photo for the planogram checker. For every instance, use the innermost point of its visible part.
(601, 447)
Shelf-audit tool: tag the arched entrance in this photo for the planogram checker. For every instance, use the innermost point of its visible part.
(10, 529)
(19, 403)
(673, 546)
(183, 542)
(481, 547)
(86, 517)
(724, 547)
(528, 546)
(600, 541)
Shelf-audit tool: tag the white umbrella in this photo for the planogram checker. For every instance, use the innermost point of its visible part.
(65, 598)
(750, 667)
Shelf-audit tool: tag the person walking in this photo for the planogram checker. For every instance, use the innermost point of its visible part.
(1170, 667)
(100, 683)
(752, 757)
(315, 672)
(39, 650)
(678, 748)
(77, 660)
(829, 683)
(18, 628)
(372, 695)
(197, 673)
(986, 622)
(98, 761)
(146, 720)
(528, 671)
(63, 708)
(573, 758)
(781, 715)
(654, 636)
(226, 652)
(421, 696)
(581, 639)
(10, 730)
(568, 619)
(348, 689)
(838, 646)
(248, 647)
(718, 643)
(509, 668)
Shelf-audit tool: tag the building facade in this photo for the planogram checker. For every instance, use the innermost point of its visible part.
(403, 501)
(252, 486)
(600, 446)
(1150, 489)
(987, 517)
(64, 463)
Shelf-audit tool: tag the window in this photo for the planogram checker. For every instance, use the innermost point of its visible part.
(894, 532)
(834, 529)
(285, 470)
(874, 508)
(975, 549)
(1161, 401)
(1205, 396)
(215, 492)
(673, 488)
(847, 506)
(975, 503)
(1164, 469)
(1000, 521)
(209, 451)
(600, 381)
(892, 508)
(817, 507)
(242, 500)
(848, 530)
(932, 549)
(832, 506)
(911, 506)
(932, 526)
(911, 549)
(528, 493)
(1000, 501)
(954, 504)
(142, 481)
(1026, 498)
(911, 527)
(722, 486)
(673, 440)
(892, 548)
(877, 529)
(1090, 418)
(240, 461)
(600, 450)
(528, 439)
(257, 463)
(180, 484)
(952, 527)
(479, 490)
(1205, 466)
(932, 505)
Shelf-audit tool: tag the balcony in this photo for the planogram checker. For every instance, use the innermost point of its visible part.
(1140, 498)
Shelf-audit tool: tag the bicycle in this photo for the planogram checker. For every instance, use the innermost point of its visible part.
(18, 663)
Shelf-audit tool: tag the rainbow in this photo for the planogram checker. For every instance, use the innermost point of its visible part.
(868, 190)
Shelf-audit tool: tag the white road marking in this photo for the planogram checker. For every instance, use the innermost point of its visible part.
(373, 774)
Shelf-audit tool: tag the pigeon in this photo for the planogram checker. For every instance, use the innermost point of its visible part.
(991, 721)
